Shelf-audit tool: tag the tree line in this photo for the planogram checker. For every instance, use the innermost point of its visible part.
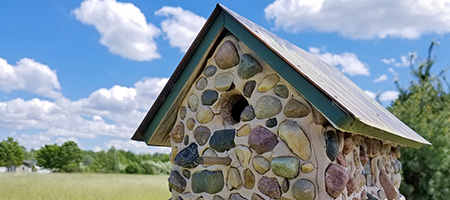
(70, 158)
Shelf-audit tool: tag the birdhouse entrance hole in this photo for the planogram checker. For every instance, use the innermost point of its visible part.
(232, 107)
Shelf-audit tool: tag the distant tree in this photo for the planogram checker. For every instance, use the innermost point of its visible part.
(425, 107)
(65, 158)
(48, 157)
(11, 153)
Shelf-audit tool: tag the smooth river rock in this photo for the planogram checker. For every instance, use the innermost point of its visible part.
(249, 179)
(268, 83)
(248, 67)
(207, 181)
(234, 180)
(244, 130)
(182, 112)
(248, 114)
(287, 167)
(248, 88)
(201, 84)
(261, 164)
(267, 106)
(223, 140)
(210, 70)
(291, 133)
(201, 135)
(336, 178)
(295, 109)
(281, 91)
(243, 154)
(223, 81)
(227, 56)
(303, 190)
(177, 182)
(193, 102)
(205, 115)
(190, 123)
(209, 97)
(177, 133)
(307, 167)
(271, 122)
(262, 139)
(332, 144)
(269, 187)
(188, 157)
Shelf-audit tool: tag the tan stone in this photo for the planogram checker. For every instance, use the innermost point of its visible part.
(244, 130)
(190, 123)
(307, 167)
(243, 154)
(223, 81)
(193, 102)
(249, 179)
(234, 180)
(205, 115)
(268, 83)
(177, 133)
(227, 56)
(293, 136)
(260, 164)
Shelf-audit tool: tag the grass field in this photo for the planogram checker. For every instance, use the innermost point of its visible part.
(83, 186)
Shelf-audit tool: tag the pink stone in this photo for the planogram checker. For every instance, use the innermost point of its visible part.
(262, 140)
(270, 187)
(341, 160)
(389, 189)
(351, 186)
(336, 179)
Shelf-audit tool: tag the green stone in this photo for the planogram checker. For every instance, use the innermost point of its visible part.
(207, 181)
(223, 140)
(272, 122)
(281, 91)
(267, 106)
(248, 67)
(295, 109)
(303, 190)
(287, 167)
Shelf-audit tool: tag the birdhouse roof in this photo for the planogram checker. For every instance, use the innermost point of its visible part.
(341, 101)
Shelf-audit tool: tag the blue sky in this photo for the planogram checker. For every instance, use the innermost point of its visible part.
(89, 70)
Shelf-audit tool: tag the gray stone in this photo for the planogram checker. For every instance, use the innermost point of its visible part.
(248, 67)
(209, 153)
(262, 139)
(332, 144)
(285, 185)
(177, 182)
(186, 173)
(295, 109)
(287, 167)
(281, 91)
(209, 97)
(223, 81)
(269, 187)
(188, 157)
(201, 135)
(336, 178)
(201, 84)
(271, 122)
(177, 133)
(186, 140)
(249, 179)
(193, 102)
(268, 83)
(223, 140)
(248, 114)
(261, 164)
(303, 190)
(248, 88)
(190, 123)
(267, 106)
(237, 196)
(372, 197)
(182, 112)
(227, 56)
(210, 70)
(207, 181)
(234, 180)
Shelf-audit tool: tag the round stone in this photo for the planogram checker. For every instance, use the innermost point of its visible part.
(260, 164)
(190, 123)
(336, 178)
(291, 133)
(222, 140)
(201, 135)
(303, 190)
(249, 179)
(177, 182)
(307, 167)
(234, 180)
(244, 130)
(281, 91)
(205, 115)
(182, 112)
(267, 106)
(188, 157)
(187, 173)
(227, 56)
(269, 187)
(332, 144)
(209, 153)
(268, 83)
(287, 167)
(223, 81)
(207, 181)
(248, 88)
(210, 70)
(209, 97)
(285, 185)
(186, 140)
(271, 122)
(248, 67)
(193, 102)
(248, 114)
(295, 109)
(243, 155)
(177, 133)
(262, 140)
(201, 83)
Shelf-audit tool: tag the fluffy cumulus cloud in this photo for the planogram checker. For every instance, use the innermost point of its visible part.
(389, 95)
(348, 62)
(123, 28)
(180, 26)
(29, 75)
(371, 94)
(363, 19)
(381, 78)
(405, 61)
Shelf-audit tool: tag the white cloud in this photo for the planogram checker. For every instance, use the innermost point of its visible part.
(123, 28)
(181, 26)
(139, 147)
(29, 75)
(371, 94)
(363, 19)
(380, 78)
(394, 74)
(389, 95)
(406, 60)
(349, 62)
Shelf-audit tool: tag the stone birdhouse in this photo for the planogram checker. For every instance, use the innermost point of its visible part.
(249, 115)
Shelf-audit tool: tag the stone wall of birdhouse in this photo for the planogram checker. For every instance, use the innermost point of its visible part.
(242, 132)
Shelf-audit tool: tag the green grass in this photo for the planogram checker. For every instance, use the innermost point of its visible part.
(83, 186)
